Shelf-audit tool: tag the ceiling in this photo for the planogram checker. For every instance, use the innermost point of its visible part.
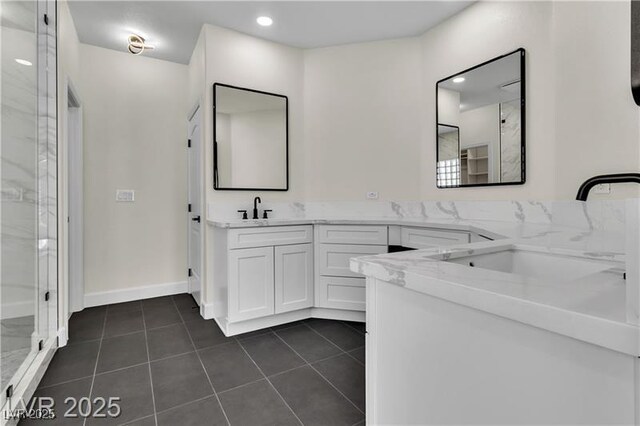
(173, 26)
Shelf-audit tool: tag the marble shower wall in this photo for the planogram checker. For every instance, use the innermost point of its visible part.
(510, 141)
(19, 163)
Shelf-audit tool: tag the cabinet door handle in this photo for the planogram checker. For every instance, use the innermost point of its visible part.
(196, 219)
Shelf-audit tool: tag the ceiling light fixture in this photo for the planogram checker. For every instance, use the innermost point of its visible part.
(24, 62)
(137, 44)
(458, 79)
(265, 21)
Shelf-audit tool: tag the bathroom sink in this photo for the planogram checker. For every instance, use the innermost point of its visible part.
(534, 264)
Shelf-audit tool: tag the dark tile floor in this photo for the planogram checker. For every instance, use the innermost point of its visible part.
(168, 366)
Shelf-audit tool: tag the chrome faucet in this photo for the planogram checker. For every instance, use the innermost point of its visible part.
(255, 207)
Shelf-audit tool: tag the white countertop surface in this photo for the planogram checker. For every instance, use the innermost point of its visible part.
(591, 309)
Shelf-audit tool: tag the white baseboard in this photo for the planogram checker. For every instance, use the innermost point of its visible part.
(62, 336)
(18, 309)
(207, 310)
(135, 293)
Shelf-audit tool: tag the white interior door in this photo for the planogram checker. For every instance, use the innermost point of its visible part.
(195, 220)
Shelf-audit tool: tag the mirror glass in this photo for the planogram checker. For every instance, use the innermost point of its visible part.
(480, 124)
(250, 139)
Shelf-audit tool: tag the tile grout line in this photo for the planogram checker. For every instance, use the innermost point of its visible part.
(352, 327)
(321, 375)
(353, 357)
(140, 418)
(95, 368)
(269, 381)
(146, 342)
(65, 382)
(274, 375)
(184, 404)
(344, 351)
(201, 363)
(325, 338)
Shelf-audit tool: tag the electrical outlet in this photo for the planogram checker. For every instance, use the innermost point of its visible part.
(372, 195)
(603, 188)
(125, 195)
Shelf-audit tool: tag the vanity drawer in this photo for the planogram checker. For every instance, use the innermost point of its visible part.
(269, 236)
(426, 238)
(333, 259)
(346, 234)
(341, 293)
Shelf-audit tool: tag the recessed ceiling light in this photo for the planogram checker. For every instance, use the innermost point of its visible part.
(24, 62)
(265, 21)
(458, 79)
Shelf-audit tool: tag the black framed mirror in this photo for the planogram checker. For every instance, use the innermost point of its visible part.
(250, 139)
(480, 122)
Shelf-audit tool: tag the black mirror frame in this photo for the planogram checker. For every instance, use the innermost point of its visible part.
(523, 120)
(215, 143)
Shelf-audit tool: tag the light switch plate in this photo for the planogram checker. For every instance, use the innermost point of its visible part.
(125, 195)
(372, 195)
(603, 188)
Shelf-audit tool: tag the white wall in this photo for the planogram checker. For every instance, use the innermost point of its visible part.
(362, 120)
(597, 122)
(134, 138)
(68, 73)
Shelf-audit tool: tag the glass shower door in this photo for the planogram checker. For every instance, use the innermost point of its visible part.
(19, 169)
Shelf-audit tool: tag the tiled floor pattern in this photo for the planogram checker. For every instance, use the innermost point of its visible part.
(171, 367)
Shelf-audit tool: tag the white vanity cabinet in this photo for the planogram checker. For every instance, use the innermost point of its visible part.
(262, 276)
(337, 287)
(270, 271)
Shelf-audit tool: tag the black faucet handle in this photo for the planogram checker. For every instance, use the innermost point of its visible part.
(265, 215)
(244, 214)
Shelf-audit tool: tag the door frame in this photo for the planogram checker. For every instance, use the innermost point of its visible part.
(73, 220)
(195, 110)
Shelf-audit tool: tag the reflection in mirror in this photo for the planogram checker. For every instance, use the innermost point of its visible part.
(448, 156)
(480, 121)
(250, 139)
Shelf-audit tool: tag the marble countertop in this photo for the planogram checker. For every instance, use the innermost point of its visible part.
(591, 308)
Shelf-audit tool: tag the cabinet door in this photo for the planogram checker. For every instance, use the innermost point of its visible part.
(294, 277)
(251, 292)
